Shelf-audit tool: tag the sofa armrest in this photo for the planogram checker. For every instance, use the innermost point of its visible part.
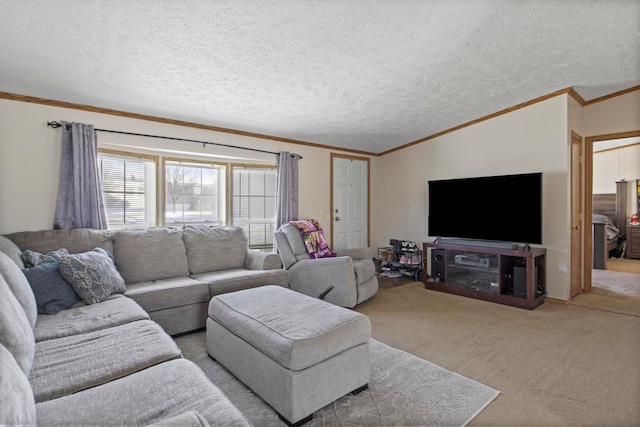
(333, 279)
(356, 253)
(258, 260)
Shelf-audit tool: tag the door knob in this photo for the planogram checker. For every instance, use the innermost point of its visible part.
(337, 218)
(576, 227)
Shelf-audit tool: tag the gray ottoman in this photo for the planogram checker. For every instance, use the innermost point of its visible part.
(296, 352)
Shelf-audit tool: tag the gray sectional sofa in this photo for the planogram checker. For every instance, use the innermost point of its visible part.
(113, 361)
(171, 272)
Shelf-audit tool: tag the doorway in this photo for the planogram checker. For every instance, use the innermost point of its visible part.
(588, 197)
(349, 202)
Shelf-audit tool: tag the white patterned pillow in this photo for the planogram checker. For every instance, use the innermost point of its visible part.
(92, 275)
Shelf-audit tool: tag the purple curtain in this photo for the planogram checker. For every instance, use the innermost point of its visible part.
(79, 203)
(286, 188)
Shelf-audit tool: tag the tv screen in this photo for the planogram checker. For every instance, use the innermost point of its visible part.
(505, 208)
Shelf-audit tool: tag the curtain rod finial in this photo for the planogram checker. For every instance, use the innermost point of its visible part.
(54, 125)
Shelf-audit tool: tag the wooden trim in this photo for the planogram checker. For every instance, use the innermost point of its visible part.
(481, 119)
(612, 95)
(575, 95)
(230, 186)
(578, 216)
(250, 165)
(344, 156)
(89, 108)
(156, 161)
(619, 135)
(616, 148)
(162, 182)
(557, 300)
(196, 161)
(156, 158)
(587, 261)
(570, 91)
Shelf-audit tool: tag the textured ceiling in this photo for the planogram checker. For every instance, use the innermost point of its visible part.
(368, 76)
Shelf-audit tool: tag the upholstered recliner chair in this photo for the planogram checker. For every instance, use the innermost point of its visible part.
(345, 280)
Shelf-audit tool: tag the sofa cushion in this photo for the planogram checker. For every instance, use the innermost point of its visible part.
(92, 275)
(52, 292)
(185, 419)
(146, 397)
(20, 288)
(77, 362)
(75, 241)
(150, 254)
(167, 293)
(295, 241)
(214, 248)
(12, 251)
(15, 331)
(237, 279)
(115, 310)
(18, 407)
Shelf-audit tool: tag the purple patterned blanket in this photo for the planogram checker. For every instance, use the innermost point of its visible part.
(313, 238)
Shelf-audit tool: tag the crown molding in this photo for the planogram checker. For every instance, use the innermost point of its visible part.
(570, 91)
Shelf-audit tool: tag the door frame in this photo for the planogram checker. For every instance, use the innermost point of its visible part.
(588, 198)
(347, 156)
(578, 218)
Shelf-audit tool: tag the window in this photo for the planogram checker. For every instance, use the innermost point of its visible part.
(195, 193)
(254, 204)
(138, 194)
(128, 189)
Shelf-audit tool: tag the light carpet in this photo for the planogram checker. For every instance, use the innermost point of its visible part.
(616, 284)
(404, 390)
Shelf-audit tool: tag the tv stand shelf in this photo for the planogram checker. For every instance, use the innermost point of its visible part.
(506, 276)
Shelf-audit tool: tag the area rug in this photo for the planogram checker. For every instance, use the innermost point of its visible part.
(615, 284)
(404, 390)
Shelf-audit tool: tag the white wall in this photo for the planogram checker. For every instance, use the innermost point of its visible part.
(531, 139)
(30, 158)
(612, 116)
(622, 164)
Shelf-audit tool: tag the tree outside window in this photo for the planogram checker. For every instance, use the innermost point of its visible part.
(195, 193)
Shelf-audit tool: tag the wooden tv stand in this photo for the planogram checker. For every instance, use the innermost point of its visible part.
(505, 276)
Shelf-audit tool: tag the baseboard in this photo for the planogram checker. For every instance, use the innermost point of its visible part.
(557, 300)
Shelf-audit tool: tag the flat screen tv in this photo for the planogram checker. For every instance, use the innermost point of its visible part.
(506, 208)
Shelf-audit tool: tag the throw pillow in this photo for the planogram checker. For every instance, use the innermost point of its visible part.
(32, 258)
(92, 275)
(53, 293)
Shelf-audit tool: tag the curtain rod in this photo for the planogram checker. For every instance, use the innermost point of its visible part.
(56, 125)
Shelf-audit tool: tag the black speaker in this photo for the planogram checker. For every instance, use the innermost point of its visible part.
(437, 263)
(520, 281)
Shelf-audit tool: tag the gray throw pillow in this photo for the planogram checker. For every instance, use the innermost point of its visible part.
(52, 292)
(32, 258)
(92, 275)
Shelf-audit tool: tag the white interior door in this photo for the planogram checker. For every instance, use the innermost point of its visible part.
(350, 205)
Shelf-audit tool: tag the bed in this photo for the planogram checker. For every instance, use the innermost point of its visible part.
(609, 221)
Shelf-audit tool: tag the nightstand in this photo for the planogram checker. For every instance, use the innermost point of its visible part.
(633, 242)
